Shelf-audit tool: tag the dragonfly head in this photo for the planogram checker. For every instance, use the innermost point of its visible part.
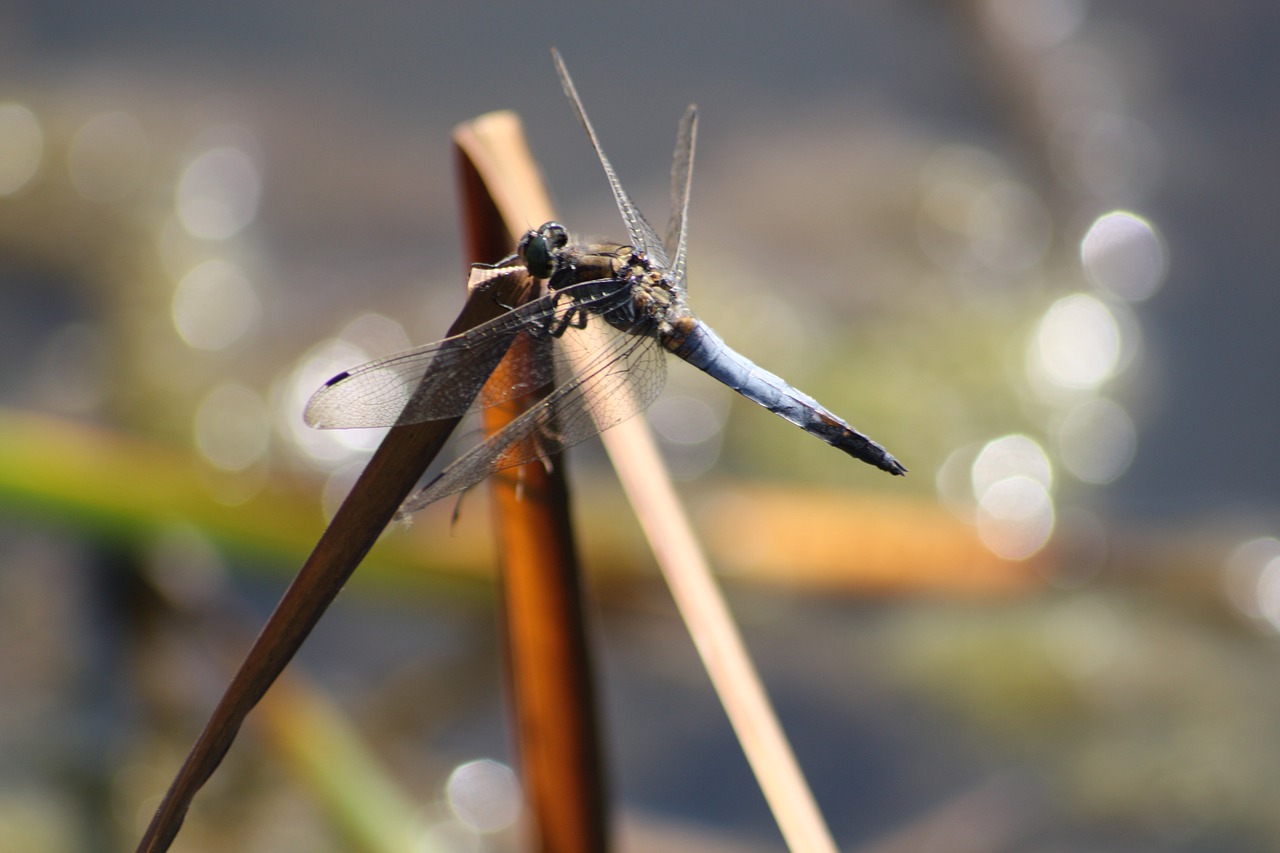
(539, 249)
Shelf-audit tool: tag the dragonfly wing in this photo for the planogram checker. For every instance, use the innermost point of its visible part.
(440, 380)
(617, 375)
(639, 231)
(450, 377)
(681, 183)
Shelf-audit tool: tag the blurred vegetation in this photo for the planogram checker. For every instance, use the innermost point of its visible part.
(909, 262)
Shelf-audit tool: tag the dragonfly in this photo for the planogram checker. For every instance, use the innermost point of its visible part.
(599, 333)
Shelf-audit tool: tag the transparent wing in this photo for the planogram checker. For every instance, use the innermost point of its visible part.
(639, 231)
(449, 377)
(681, 182)
(618, 374)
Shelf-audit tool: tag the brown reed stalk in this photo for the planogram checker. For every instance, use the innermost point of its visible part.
(547, 654)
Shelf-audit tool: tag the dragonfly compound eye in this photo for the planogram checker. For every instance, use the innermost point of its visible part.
(537, 249)
(557, 238)
(536, 256)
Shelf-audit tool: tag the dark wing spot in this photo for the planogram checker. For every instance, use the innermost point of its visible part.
(335, 380)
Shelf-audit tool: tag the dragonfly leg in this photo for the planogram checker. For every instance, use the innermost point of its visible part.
(504, 306)
(576, 317)
(491, 274)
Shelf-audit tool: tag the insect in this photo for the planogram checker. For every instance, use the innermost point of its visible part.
(609, 315)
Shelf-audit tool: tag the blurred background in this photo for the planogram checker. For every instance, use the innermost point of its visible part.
(1022, 243)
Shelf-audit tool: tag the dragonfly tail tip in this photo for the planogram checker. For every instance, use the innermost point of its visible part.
(892, 465)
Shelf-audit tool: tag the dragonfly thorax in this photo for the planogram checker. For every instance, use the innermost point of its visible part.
(620, 284)
(653, 292)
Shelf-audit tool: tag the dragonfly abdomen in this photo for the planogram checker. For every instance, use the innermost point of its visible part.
(698, 344)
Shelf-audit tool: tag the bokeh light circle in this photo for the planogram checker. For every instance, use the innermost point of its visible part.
(1124, 256)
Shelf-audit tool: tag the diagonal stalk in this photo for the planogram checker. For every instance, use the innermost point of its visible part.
(386, 481)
